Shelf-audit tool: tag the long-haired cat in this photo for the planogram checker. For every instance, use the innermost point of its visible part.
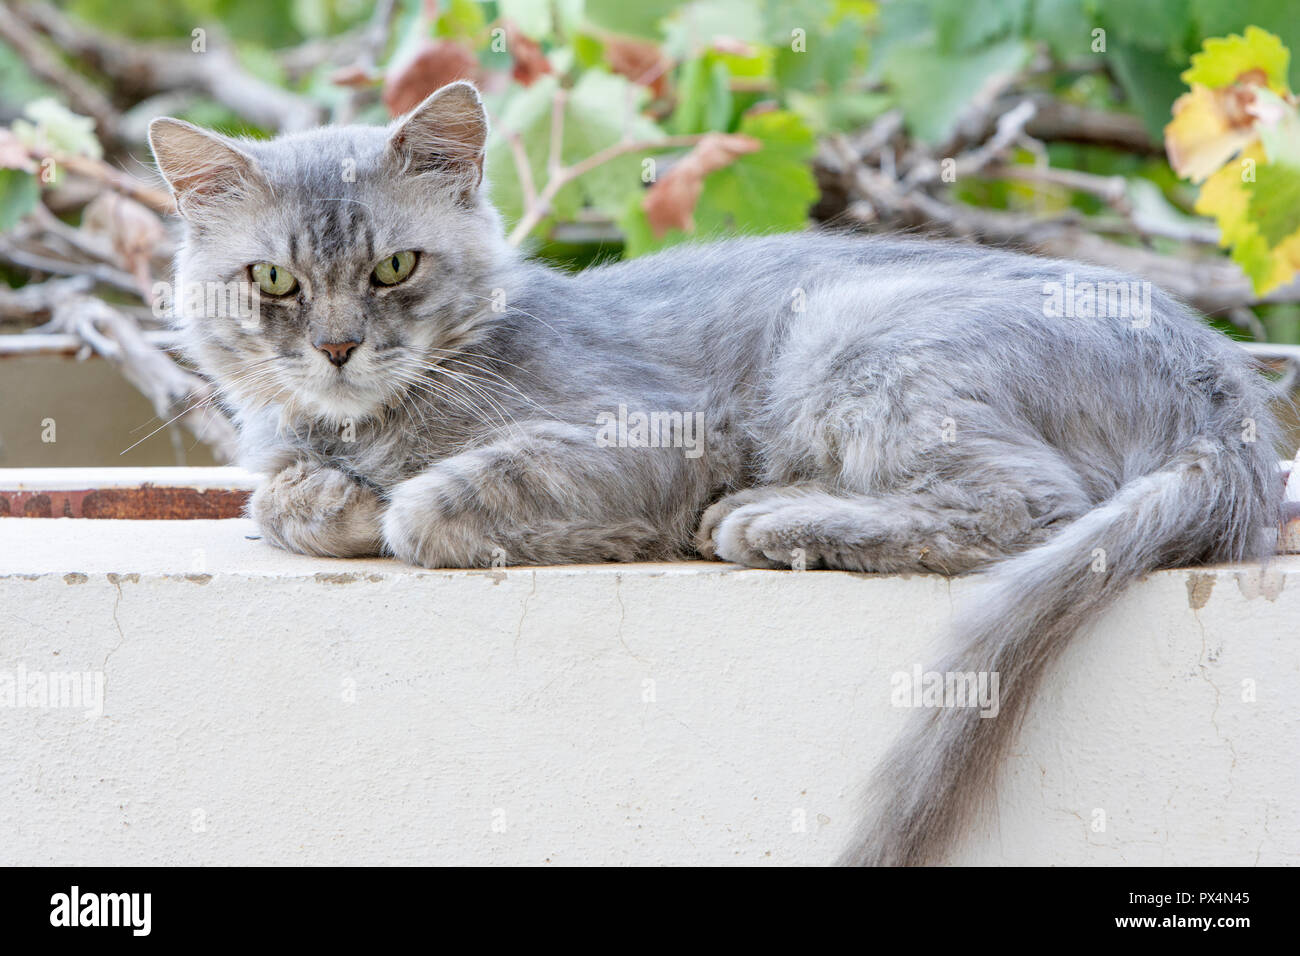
(412, 386)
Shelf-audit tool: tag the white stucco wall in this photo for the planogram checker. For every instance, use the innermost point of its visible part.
(267, 708)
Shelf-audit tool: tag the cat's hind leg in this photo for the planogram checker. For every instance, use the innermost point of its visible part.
(942, 528)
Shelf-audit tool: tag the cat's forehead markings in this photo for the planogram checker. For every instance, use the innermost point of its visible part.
(336, 229)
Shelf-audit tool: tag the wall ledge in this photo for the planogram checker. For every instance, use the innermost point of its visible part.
(261, 707)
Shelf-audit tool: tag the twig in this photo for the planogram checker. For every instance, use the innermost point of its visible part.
(561, 177)
(374, 41)
(522, 169)
(176, 394)
(36, 301)
(159, 200)
(101, 273)
(1214, 285)
(1109, 189)
(145, 69)
(45, 65)
(1057, 120)
(1010, 126)
(67, 345)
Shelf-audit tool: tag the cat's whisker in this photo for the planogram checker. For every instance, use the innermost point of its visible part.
(512, 308)
(482, 393)
(497, 380)
(439, 390)
(208, 400)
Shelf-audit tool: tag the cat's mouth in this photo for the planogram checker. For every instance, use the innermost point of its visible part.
(339, 393)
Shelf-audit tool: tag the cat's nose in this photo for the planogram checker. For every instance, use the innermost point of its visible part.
(337, 352)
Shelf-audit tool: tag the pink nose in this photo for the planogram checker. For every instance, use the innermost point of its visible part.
(337, 352)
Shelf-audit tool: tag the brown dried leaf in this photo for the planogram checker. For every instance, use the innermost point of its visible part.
(530, 61)
(434, 65)
(355, 77)
(639, 61)
(132, 229)
(670, 202)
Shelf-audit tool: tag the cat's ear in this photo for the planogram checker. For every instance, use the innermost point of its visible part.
(445, 134)
(201, 168)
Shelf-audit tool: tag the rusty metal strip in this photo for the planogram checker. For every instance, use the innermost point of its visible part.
(148, 502)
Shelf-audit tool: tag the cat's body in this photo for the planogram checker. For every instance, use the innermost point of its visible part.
(871, 405)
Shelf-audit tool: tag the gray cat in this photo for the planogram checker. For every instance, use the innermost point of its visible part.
(412, 386)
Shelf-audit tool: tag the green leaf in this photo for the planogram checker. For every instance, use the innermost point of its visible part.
(766, 191)
(19, 194)
(639, 18)
(829, 56)
(780, 17)
(602, 109)
(693, 28)
(703, 96)
(1150, 81)
(934, 89)
(460, 20)
(1281, 139)
(1151, 24)
(531, 17)
(526, 111)
(588, 51)
(1217, 18)
(1275, 202)
(1066, 27)
(963, 25)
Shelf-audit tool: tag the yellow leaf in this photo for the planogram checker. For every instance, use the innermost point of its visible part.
(1223, 60)
(1226, 197)
(1204, 133)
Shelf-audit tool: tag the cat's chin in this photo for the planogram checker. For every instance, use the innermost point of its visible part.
(339, 405)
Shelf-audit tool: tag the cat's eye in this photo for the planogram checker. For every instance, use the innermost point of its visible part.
(273, 279)
(394, 269)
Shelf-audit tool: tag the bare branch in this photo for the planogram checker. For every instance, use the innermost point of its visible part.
(37, 262)
(146, 69)
(1010, 126)
(176, 394)
(82, 95)
(1212, 284)
(1057, 120)
(561, 177)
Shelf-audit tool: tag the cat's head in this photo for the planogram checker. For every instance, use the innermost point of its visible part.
(322, 270)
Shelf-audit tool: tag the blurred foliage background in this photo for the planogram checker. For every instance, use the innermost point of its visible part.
(623, 126)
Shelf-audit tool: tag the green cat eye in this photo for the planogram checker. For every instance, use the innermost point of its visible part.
(395, 268)
(273, 279)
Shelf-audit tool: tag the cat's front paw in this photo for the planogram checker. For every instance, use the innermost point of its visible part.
(706, 536)
(320, 511)
(737, 529)
(430, 522)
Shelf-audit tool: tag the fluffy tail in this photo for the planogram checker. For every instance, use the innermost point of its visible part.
(1214, 501)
